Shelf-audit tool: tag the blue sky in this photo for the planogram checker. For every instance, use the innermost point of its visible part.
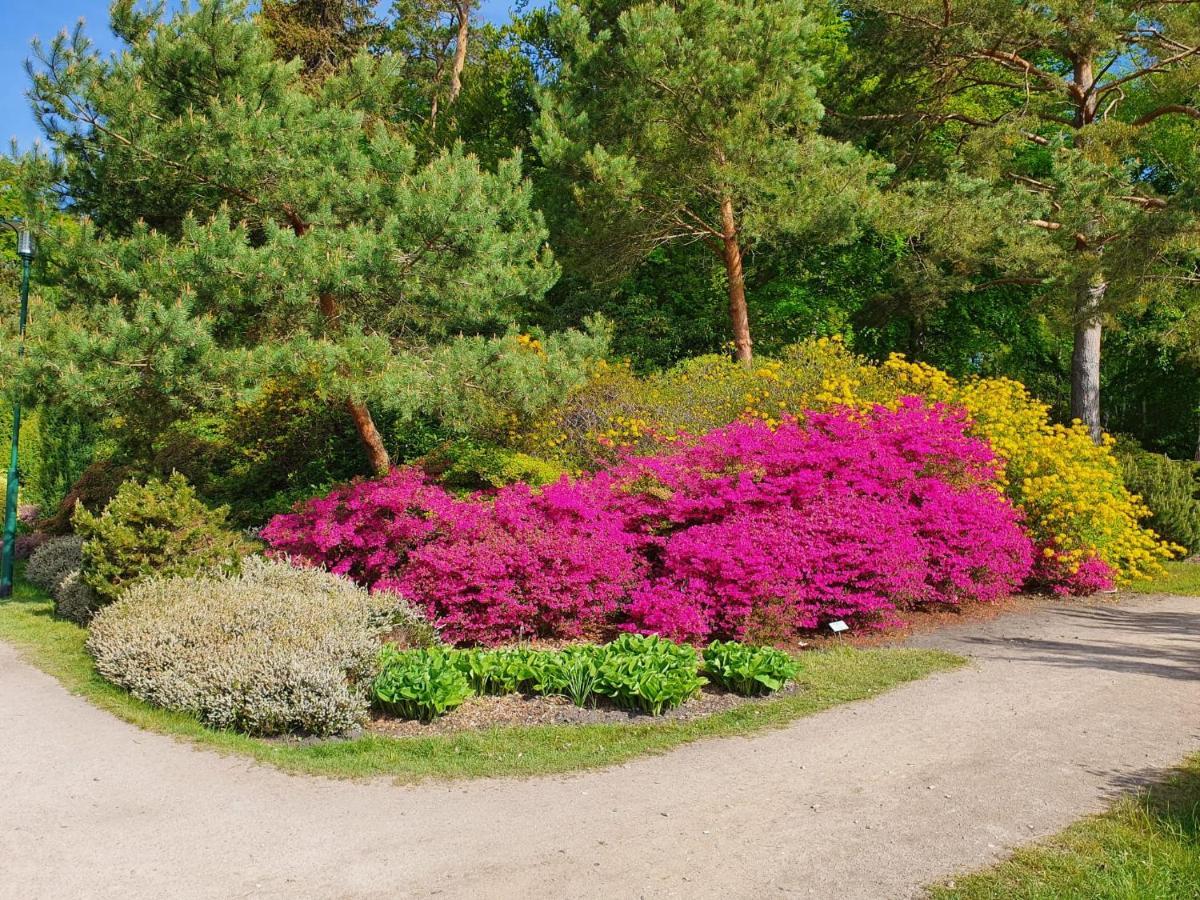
(25, 19)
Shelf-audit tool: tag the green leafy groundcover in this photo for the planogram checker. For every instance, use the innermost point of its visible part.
(1146, 846)
(827, 677)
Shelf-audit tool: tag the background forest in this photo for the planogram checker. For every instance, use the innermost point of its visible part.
(281, 247)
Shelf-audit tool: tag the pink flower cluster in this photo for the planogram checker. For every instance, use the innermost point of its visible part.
(850, 516)
(846, 517)
(1092, 575)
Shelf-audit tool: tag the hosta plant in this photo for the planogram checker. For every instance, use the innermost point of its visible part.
(418, 684)
(647, 673)
(746, 670)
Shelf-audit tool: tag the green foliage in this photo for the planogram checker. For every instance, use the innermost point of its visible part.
(154, 529)
(1170, 487)
(507, 671)
(261, 453)
(493, 389)
(746, 670)
(469, 467)
(636, 672)
(647, 673)
(64, 445)
(418, 684)
(323, 34)
(1048, 145)
(693, 122)
(245, 224)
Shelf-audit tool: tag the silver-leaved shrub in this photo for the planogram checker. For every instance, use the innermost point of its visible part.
(273, 650)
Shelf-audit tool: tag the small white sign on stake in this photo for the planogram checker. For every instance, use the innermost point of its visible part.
(838, 627)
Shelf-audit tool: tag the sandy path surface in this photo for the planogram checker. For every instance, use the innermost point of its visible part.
(1061, 709)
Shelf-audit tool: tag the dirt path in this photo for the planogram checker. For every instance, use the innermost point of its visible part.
(1062, 708)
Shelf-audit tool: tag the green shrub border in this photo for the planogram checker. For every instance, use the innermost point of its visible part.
(828, 678)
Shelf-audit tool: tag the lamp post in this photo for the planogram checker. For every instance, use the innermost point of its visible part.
(25, 250)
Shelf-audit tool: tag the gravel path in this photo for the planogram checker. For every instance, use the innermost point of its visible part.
(1062, 708)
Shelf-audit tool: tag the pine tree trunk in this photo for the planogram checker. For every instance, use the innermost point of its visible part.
(1085, 354)
(368, 433)
(1085, 357)
(739, 317)
(369, 437)
(463, 10)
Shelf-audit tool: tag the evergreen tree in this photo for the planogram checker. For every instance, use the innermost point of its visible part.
(243, 221)
(1059, 106)
(694, 121)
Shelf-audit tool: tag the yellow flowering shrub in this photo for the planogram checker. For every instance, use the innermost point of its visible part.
(618, 410)
(1076, 506)
(1075, 501)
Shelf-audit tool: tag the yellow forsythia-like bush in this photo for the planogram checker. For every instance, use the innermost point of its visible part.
(617, 410)
(1075, 502)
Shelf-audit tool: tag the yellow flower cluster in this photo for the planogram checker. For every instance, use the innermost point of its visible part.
(1071, 490)
(530, 343)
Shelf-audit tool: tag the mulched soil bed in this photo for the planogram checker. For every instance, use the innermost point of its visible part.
(516, 709)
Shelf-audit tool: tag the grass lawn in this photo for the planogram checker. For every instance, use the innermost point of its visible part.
(1144, 848)
(829, 677)
(1181, 578)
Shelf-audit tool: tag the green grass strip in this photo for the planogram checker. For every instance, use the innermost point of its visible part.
(829, 677)
(1182, 578)
(1145, 847)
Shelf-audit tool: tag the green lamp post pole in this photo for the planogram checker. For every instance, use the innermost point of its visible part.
(8, 552)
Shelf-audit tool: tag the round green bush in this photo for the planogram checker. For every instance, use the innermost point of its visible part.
(154, 529)
(272, 650)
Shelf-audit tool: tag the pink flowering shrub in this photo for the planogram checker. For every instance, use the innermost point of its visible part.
(526, 564)
(848, 516)
(1087, 577)
(826, 561)
(851, 515)
(363, 530)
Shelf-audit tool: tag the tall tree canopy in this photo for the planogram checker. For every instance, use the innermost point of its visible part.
(694, 121)
(242, 219)
(1062, 106)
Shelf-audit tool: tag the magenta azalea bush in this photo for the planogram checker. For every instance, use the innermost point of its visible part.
(549, 563)
(850, 515)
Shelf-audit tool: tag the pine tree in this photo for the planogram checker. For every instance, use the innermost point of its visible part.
(1061, 106)
(236, 210)
(694, 121)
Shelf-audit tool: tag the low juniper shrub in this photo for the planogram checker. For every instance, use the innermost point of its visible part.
(159, 528)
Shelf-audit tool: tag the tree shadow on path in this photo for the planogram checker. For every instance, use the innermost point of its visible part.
(1160, 643)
